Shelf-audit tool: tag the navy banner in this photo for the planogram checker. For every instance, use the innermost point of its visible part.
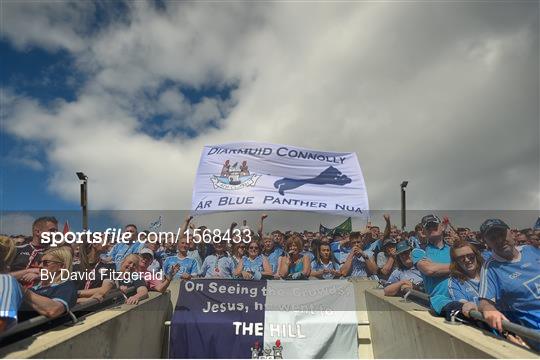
(218, 319)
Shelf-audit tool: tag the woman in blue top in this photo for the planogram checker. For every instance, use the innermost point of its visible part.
(51, 296)
(254, 265)
(325, 266)
(405, 276)
(293, 265)
(464, 282)
(238, 250)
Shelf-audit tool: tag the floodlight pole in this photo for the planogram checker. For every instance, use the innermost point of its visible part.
(84, 199)
(403, 206)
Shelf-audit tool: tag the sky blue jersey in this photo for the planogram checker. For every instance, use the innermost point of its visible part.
(435, 286)
(464, 291)
(187, 266)
(11, 298)
(514, 286)
(222, 267)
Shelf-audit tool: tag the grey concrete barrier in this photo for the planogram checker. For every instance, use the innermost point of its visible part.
(401, 329)
(125, 331)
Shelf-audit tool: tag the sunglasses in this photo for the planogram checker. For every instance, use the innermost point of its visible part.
(471, 257)
(254, 247)
(48, 262)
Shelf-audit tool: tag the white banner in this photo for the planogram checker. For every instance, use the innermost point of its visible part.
(319, 316)
(260, 176)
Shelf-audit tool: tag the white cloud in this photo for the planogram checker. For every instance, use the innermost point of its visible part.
(443, 95)
(16, 224)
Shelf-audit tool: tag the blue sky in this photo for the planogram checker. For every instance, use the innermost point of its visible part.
(50, 76)
(44, 76)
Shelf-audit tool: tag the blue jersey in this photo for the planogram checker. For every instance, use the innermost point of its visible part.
(119, 252)
(254, 266)
(414, 242)
(194, 254)
(413, 275)
(317, 266)
(155, 266)
(486, 254)
(436, 286)
(340, 252)
(10, 299)
(309, 254)
(374, 246)
(163, 255)
(222, 267)
(187, 266)
(273, 257)
(359, 267)
(514, 286)
(464, 291)
(64, 292)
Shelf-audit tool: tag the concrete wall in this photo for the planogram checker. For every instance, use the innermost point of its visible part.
(388, 328)
(405, 330)
(125, 331)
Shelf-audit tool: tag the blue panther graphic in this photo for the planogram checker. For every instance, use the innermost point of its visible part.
(330, 176)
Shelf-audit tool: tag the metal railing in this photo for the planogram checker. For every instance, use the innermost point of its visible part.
(111, 297)
(522, 331)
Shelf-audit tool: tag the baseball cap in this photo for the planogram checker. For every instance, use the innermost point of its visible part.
(402, 246)
(146, 251)
(492, 224)
(430, 219)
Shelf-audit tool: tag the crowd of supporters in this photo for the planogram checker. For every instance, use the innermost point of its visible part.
(495, 270)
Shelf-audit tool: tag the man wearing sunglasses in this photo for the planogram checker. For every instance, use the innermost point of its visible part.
(434, 264)
(509, 280)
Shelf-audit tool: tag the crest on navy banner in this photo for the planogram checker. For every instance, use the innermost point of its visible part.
(275, 352)
(234, 177)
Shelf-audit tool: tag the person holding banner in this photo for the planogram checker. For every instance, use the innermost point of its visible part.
(271, 247)
(272, 252)
(219, 264)
(293, 265)
(254, 265)
(188, 267)
(238, 250)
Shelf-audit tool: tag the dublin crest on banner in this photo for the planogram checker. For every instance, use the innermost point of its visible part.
(234, 177)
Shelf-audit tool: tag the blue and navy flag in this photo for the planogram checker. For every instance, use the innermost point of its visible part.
(217, 318)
